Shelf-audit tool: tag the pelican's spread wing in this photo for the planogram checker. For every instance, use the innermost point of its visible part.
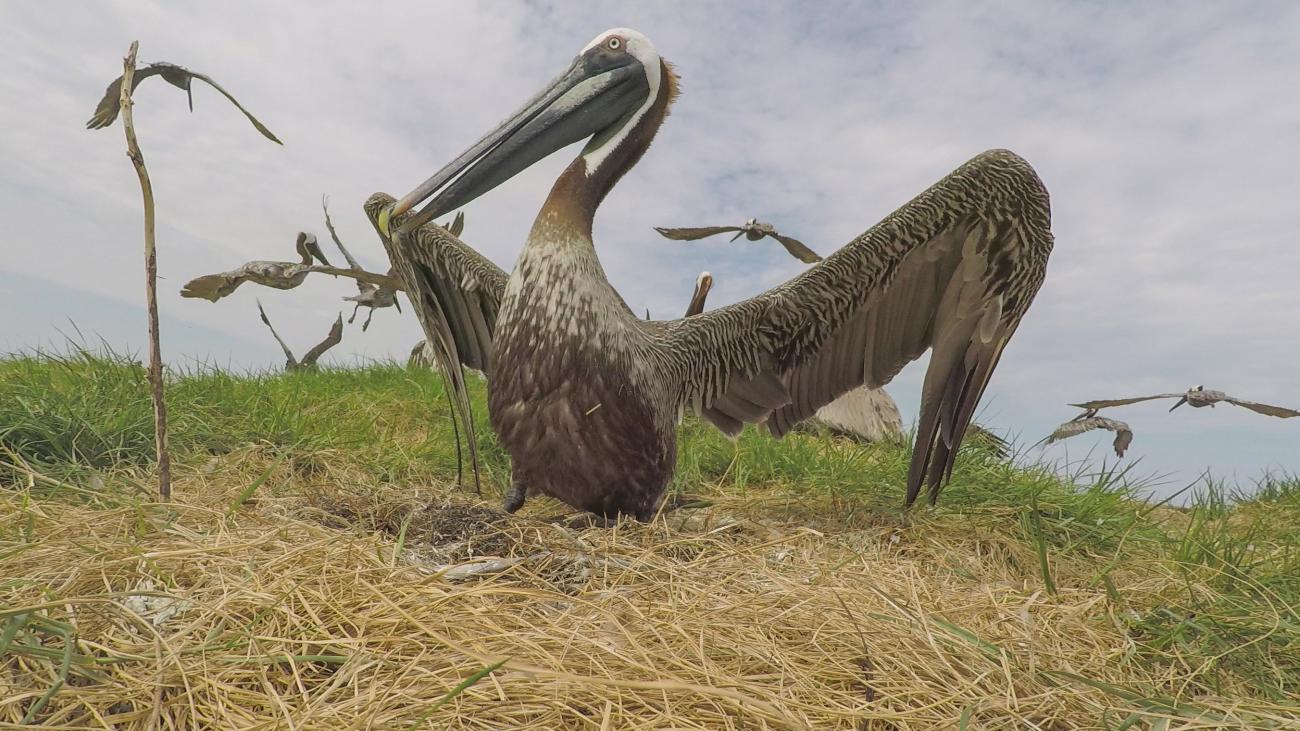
(456, 293)
(1108, 403)
(334, 338)
(953, 270)
(288, 354)
(255, 122)
(1123, 434)
(1267, 409)
(691, 234)
(797, 249)
(110, 105)
(455, 290)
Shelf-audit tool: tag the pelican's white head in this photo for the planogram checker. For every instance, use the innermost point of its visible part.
(636, 45)
(606, 90)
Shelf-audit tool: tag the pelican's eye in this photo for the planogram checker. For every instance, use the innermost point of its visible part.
(614, 43)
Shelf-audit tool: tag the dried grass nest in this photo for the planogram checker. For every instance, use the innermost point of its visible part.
(364, 609)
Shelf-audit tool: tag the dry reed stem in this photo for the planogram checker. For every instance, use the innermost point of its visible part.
(150, 278)
(701, 620)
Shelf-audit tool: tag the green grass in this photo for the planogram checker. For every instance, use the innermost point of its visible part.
(70, 417)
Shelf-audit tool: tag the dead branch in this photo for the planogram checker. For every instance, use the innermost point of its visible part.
(308, 361)
(117, 100)
(373, 290)
(281, 274)
(150, 275)
(334, 337)
(368, 295)
(290, 362)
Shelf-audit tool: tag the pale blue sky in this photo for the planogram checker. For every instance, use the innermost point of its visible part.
(1166, 133)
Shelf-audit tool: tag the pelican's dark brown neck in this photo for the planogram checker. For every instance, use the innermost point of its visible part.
(578, 192)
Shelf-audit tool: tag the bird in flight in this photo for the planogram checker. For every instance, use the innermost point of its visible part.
(1197, 397)
(178, 76)
(752, 230)
(1089, 421)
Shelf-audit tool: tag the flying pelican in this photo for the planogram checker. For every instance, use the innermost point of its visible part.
(308, 361)
(178, 76)
(1196, 397)
(585, 396)
(276, 274)
(752, 230)
(1087, 422)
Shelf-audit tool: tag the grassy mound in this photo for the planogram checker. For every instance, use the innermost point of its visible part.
(319, 568)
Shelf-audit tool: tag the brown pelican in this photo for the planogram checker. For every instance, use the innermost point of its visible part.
(752, 230)
(178, 76)
(1196, 397)
(276, 274)
(1087, 422)
(368, 294)
(308, 361)
(703, 284)
(585, 396)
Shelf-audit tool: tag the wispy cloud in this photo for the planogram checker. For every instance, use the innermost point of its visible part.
(1165, 133)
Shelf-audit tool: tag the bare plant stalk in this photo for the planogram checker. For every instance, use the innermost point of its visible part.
(150, 280)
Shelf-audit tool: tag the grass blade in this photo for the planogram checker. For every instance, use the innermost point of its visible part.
(461, 688)
(247, 492)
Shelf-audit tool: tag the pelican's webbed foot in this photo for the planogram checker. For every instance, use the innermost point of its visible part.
(515, 500)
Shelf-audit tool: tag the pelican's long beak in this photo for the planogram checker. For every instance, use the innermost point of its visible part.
(598, 92)
(1181, 401)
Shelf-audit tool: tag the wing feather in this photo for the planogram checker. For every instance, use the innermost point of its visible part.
(257, 124)
(1267, 409)
(1108, 403)
(110, 105)
(456, 293)
(797, 249)
(1123, 434)
(691, 234)
(953, 270)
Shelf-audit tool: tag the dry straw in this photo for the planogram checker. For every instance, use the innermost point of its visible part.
(371, 609)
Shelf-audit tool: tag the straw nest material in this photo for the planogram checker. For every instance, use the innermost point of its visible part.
(365, 609)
